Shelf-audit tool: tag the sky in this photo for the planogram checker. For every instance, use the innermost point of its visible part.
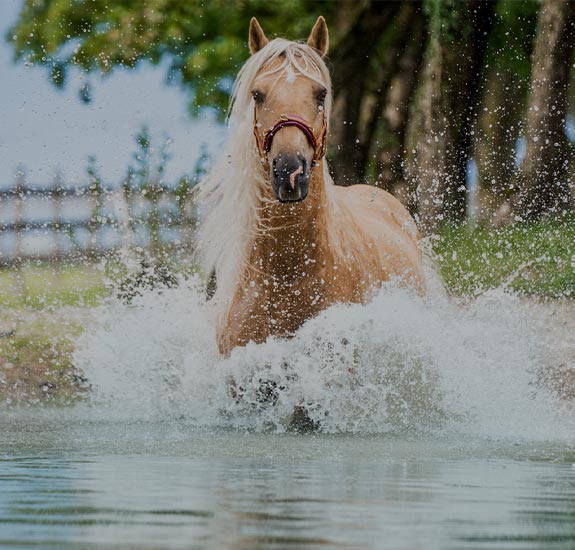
(50, 130)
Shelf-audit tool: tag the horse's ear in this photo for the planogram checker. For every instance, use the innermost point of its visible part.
(319, 37)
(258, 39)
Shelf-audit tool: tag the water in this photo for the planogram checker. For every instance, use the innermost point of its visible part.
(439, 425)
(173, 485)
(398, 364)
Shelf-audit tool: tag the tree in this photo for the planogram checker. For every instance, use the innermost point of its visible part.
(357, 64)
(541, 180)
(374, 69)
(392, 135)
(444, 109)
(500, 120)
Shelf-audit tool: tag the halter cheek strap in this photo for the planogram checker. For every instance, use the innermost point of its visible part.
(264, 143)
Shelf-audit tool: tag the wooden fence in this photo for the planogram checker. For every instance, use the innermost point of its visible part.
(78, 223)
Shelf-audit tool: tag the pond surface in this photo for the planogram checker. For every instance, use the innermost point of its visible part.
(70, 483)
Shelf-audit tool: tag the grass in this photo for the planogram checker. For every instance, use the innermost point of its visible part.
(532, 260)
(38, 333)
(36, 365)
(38, 286)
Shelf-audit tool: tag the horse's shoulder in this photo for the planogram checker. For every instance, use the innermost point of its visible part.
(361, 192)
(382, 203)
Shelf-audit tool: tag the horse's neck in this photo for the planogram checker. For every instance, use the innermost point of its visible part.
(293, 238)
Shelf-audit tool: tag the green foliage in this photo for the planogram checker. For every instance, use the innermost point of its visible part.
(534, 259)
(442, 16)
(154, 263)
(202, 43)
(146, 277)
(449, 21)
(511, 41)
(202, 165)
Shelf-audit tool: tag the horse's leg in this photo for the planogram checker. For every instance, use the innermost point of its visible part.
(211, 285)
(300, 422)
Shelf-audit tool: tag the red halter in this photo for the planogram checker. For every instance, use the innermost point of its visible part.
(264, 143)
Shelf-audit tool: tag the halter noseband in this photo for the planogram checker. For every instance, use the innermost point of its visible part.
(264, 143)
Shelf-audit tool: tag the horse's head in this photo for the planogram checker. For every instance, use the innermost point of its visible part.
(290, 120)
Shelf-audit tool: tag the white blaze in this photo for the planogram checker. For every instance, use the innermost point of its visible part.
(290, 75)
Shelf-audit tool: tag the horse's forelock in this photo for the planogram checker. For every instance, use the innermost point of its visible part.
(304, 59)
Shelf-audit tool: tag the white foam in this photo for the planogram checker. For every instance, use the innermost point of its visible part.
(399, 364)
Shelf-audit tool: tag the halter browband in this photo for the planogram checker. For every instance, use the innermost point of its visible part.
(264, 143)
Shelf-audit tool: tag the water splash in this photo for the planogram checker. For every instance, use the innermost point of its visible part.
(398, 364)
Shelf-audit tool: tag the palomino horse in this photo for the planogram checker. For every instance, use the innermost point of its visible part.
(285, 242)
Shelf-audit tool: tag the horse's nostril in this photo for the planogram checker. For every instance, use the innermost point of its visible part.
(289, 171)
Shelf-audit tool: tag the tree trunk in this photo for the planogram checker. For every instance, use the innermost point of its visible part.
(541, 181)
(397, 96)
(352, 61)
(500, 119)
(497, 130)
(444, 110)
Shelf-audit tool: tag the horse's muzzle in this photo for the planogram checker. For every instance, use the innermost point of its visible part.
(290, 177)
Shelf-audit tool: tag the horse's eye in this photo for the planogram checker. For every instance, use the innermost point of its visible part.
(320, 96)
(258, 96)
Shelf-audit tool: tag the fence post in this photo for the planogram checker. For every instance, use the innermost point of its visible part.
(57, 196)
(186, 218)
(19, 193)
(96, 194)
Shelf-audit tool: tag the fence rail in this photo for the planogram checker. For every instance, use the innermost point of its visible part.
(66, 222)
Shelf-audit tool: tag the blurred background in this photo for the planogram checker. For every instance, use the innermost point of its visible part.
(463, 110)
(113, 110)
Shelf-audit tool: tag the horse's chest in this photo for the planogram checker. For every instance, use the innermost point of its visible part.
(278, 305)
(281, 305)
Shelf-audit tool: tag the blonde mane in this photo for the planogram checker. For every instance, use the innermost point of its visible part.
(233, 192)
